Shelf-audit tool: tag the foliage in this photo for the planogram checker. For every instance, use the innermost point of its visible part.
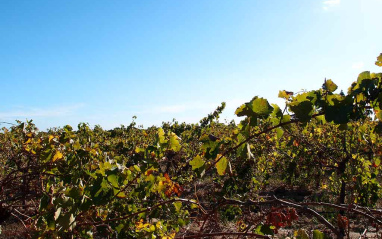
(132, 182)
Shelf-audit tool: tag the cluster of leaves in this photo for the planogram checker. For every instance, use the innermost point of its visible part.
(155, 182)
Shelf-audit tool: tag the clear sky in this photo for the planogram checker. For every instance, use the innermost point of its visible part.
(102, 62)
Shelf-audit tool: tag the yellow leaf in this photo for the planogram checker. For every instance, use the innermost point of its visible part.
(121, 195)
(57, 156)
(51, 137)
(161, 186)
(172, 236)
(221, 165)
(379, 60)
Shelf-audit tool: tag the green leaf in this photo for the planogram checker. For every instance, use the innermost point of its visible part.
(264, 230)
(47, 155)
(221, 166)
(311, 96)
(286, 118)
(242, 151)
(194, 205)
(50, 221)
(276, 113)
(338, 109)
(120, 227)
(120, 195)
(363, 75)
(303, 110)
(257, 107)
(279, 133)
(318, 235)
(73, 192)
(285, 94)
(197, 162)
(243, 110)
(261, 107)
(178, 206)
(113, 179)
(330, 86)
(136, 167)
(44, 202)
(174, 143)
(105, 186)
(76, 145)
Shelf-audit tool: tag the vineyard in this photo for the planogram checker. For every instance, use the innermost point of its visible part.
(311, 169)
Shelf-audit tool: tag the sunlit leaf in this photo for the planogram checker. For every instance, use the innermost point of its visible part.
(261, 107)
(174, 143)
(160, 136)
(113, 179)
(120, 195)
(197, 162)
(330, 86)
(243, 110)
(363, 75)
(178, 206)
(221, 166)
(379, 60)
(58, 155)
(285, 94)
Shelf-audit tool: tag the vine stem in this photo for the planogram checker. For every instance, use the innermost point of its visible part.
(348, 207)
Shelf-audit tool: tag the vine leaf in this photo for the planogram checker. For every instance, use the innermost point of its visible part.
(66, 221)
(177, 205)
(330, 86)
(221, 166)
(285, 94)
(261, 107)
(379, 60)
(362, 76)
(378, 113)
(174, 143)
(58, 155)
(160, 136)
(256, 108)
(197, 162)
(264, 230)
(243, 110)
(113, 179)
(338, 109)
(302, 109)
(318, 234)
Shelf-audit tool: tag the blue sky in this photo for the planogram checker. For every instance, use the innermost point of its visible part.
(103, 62)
